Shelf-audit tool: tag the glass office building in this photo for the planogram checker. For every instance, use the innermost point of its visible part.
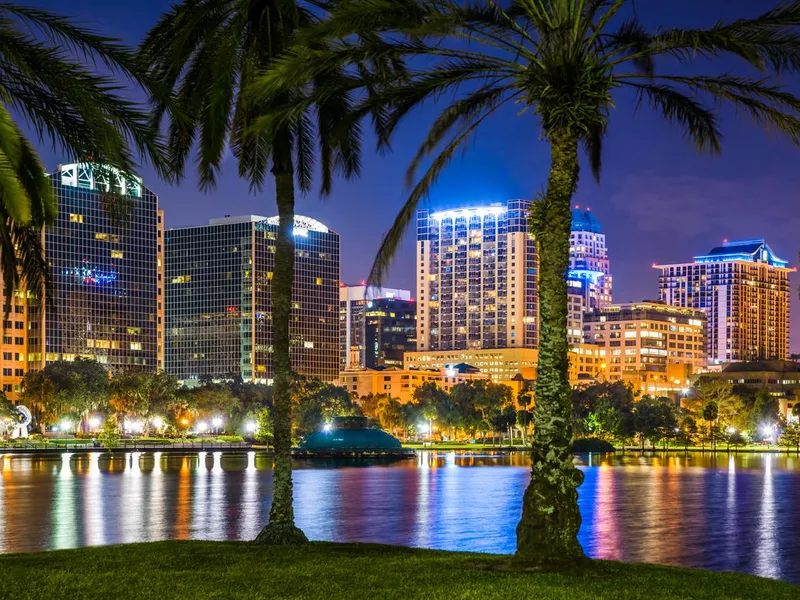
(104, 253)
(353, 301)
(219, 308)
(476, 278)
(390, 330)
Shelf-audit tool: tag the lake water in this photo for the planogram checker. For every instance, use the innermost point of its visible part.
(737, 513)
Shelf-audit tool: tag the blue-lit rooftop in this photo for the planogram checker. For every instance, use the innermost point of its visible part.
(756, 250)
(585, 221)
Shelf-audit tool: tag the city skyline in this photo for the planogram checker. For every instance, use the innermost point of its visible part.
(658, 200)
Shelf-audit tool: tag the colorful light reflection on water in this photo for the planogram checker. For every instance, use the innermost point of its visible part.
(725, 512)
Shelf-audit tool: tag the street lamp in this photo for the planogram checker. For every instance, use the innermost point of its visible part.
(158, 422)
(94, 422)
(217, 423)
(202, 427)
(250, 427)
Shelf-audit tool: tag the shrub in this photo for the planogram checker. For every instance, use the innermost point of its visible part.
(591, 446)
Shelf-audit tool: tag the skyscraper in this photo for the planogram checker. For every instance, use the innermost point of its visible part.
(476, 278)
(390, 330)
(589, 277)
(219, 304)
(353, 301)
(104, 254)
(744, 290)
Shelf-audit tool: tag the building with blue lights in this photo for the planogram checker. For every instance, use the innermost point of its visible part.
(589, 276)
(744, 290)
(219, 304)
(105, 257)
(476, 278)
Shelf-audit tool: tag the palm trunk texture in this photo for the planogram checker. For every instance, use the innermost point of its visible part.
(547, 534)
(281, 529)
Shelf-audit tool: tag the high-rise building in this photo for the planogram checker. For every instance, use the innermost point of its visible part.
(655, 347)
(105, 254)
(744, 290)
(589, 277)
(390, 330)
(476, 278)
(219, 299)
(588, 258)
(353, 300)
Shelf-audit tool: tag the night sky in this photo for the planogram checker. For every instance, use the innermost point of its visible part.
(659, 201)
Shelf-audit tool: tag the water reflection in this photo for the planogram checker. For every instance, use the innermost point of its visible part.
(719, 512)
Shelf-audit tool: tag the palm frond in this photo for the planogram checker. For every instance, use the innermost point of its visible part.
(392, 239)
(698, 122)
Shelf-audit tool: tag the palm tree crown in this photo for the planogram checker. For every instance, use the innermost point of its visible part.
(562, 62)
(559, 60)
(46, 83)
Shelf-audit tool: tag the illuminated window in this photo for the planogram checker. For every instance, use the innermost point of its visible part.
(100, 236)
(73, 218)
(181, 279)
(319, 280)
(308, 344)
(136, 345)
(269, 274)
(116, 254)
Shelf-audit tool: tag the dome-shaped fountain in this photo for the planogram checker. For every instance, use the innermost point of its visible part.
(350, 437)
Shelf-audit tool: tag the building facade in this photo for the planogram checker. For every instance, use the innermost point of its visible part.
(219, 304)
(400, 383)
(390, 330)
(655, 347)
(476, 278)
(504, 365)
(353, 301)
(21, 324)
(105, 254)
(744, 290)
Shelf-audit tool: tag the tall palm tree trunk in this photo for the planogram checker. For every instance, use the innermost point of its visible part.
(547, 532)
(281, 529)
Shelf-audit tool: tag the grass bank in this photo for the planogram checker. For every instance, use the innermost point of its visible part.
(166, 570)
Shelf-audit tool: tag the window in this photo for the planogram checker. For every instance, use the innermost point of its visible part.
(19, 341)
(319, 280)
(19, 372)
(7, 355)
(136, 345)
(117, 254)
(73, 218)
(7, 372)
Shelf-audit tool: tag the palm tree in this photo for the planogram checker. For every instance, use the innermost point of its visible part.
(559, 64)
(46, 83)
(204, 54)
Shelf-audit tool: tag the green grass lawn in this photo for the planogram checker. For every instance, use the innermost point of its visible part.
(194, 570)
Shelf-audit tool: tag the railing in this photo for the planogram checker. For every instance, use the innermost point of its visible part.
(131, 445)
